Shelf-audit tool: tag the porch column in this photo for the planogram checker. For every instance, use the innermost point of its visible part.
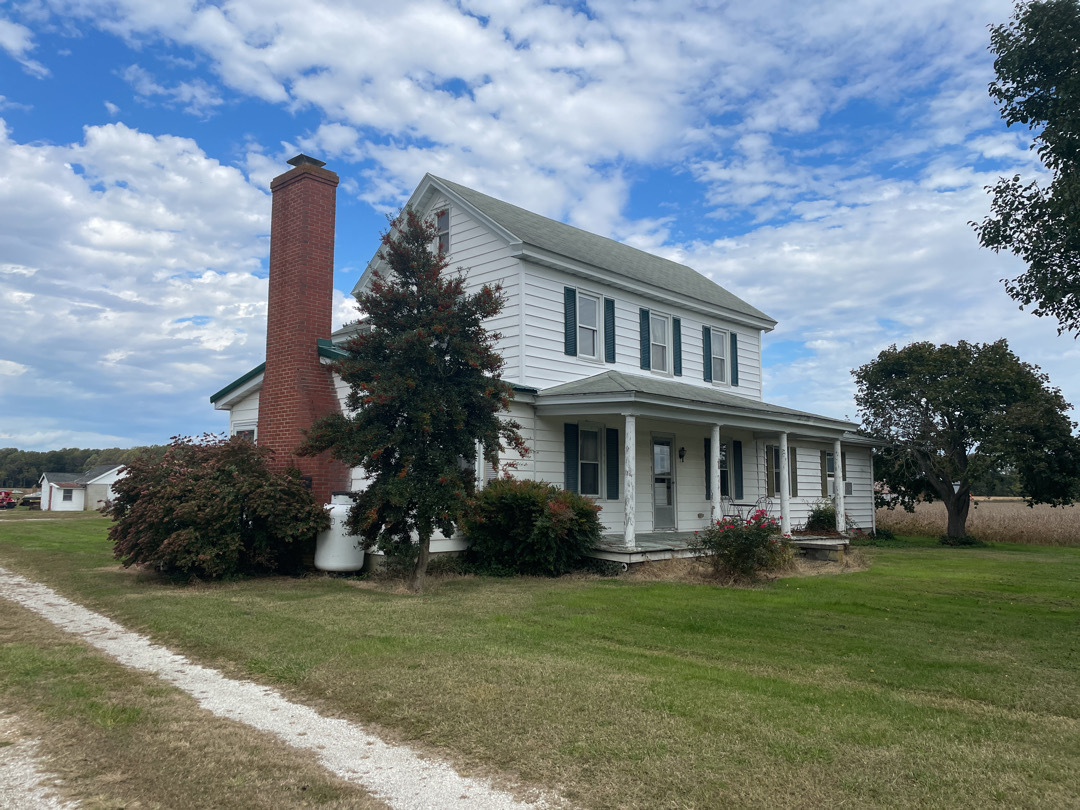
(785, 487)
(838, 486)
(629, 495)
(714, 474)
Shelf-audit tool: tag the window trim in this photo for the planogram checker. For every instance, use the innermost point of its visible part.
(598, 334)
(719, 339)
(442, 240)
(601, 436)
(243, 427)
(667, 345)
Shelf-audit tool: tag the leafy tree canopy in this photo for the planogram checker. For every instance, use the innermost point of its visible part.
(23, 468)
(424, 392)
(1038, 85)
(949, 415)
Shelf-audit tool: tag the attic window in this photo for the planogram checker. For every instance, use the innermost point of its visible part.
(442, 224)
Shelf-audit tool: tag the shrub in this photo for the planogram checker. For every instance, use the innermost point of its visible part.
(211, 508)
(742, 550)
(822, 517)
(529, 527)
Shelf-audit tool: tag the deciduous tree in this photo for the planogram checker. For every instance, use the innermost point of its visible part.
(947, 414)
(424, 393)
(1038, 85)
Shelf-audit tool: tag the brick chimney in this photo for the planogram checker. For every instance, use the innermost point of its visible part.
(297, 389)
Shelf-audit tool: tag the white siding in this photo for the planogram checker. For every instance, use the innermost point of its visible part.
(485, 259)
(244, 415)
(547, 364)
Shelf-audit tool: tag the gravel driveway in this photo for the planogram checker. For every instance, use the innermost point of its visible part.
(394, 773)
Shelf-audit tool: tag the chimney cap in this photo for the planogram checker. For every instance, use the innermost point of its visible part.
(302, 160)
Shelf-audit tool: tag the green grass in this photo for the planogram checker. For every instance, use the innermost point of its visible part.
(938, 677)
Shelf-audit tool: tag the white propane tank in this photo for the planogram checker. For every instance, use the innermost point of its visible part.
(335, 549)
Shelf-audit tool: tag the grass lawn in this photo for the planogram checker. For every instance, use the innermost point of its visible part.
(938, 677)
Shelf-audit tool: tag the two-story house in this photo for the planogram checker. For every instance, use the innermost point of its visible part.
(638, 380)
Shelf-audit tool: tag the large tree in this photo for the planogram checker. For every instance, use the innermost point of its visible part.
(947, 414)
(424, 393)
(1038, 85)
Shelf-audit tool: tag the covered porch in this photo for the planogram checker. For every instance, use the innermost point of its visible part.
(667, 458)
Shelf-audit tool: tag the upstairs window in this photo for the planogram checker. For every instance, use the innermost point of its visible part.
(718, 358)
(442, 223)
(659, 342)
(588, 329)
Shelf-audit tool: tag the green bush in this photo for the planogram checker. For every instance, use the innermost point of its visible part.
(529, 527)
(822, 517)
(744, 549)
(211, 508)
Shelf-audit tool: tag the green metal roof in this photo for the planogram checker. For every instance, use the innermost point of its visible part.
(603, 253)
(228, 389)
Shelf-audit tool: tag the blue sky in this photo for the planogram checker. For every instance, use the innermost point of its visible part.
(821, 160)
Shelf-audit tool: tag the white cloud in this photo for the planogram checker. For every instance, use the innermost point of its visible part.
(194, 97)
(113, 242)
(18, 41)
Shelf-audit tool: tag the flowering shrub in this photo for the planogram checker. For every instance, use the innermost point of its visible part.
(529, 527)
(743, 549)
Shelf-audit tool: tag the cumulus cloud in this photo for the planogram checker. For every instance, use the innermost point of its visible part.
(828, 159)
(113, 242)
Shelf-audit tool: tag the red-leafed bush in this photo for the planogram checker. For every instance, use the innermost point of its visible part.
(211, 508)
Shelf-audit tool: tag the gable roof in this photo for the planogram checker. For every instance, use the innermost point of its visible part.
(60, 477)
(616, 258)
(94, 473)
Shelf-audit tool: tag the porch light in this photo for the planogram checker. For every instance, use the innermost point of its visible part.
(682, 454)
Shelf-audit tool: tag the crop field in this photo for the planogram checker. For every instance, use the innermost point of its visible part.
(996, 520)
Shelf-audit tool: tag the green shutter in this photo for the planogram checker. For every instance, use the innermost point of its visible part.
(708, 468)
(613, 467)
(646, 361)
(793, 472)
(734, 359)
(736, 468)
(706, 342)
(609, 330)
(824, 475)
(676, 346)
(570, 457)
(770, 471)
(570, 321)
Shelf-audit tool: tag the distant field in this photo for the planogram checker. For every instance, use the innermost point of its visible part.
(997, 520)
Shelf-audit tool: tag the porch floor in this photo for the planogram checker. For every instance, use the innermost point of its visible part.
(656, 546)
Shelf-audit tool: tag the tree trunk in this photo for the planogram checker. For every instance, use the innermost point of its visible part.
(957, 508)
(417, 583)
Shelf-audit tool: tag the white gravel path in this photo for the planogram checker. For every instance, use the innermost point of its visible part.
(22, 783)
(394, 773)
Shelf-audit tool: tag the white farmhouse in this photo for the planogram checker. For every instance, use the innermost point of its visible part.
(638, 380)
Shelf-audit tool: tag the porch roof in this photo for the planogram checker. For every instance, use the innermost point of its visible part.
(651, 395)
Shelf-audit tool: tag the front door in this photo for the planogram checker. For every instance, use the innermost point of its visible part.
(663, 485)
